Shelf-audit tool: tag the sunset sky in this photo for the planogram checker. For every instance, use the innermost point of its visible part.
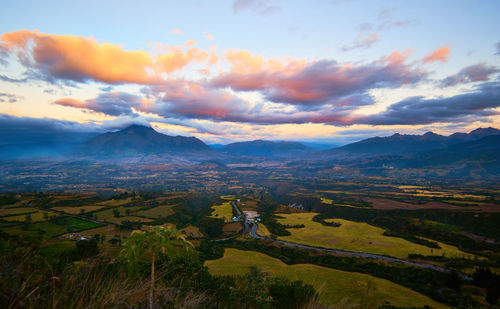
(320, 71)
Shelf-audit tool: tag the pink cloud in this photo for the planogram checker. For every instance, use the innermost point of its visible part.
(439, 55)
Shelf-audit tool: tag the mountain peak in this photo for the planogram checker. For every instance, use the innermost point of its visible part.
(137, 127)
(485, 131)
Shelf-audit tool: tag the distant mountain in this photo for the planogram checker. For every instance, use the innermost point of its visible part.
(141, 140)
(399, 144)
(260, 148)
(484, 151)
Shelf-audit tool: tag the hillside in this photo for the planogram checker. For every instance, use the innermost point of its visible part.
(141, 140)
(400, 144)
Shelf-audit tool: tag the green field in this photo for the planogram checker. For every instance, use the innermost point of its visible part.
(223, 211)
(336, 288)
(157, 212)
(355, 236)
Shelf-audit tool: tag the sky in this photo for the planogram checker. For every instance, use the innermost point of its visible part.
(329, 72)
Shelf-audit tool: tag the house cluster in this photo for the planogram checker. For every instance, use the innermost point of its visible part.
(296, 206)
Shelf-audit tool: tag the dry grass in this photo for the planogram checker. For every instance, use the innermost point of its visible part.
(17, 210)
(336, 288)
(355, 236)
(223, 211)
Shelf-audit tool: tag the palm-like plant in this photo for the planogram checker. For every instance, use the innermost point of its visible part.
(159, 241)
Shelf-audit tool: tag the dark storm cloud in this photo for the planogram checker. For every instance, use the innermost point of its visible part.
(417, 110)
(112, 103)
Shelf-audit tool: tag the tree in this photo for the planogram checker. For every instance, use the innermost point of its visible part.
(128, 212)
(28, 219)
(158, 242)
(116, 213)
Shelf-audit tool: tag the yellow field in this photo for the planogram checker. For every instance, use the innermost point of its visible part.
(336, 287)
(225, 210)
(14, 211)
(157, 212)
(227, 197)
(114, 202)
(77, 210)
(263, 231)
(355, 236)
(326, 201)
(35, 217)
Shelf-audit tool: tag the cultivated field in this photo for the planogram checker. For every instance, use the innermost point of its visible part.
(355, 236)
(157, 212)
(337, 288)
(224, 210)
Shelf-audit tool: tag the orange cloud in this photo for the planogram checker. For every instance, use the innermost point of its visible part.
(177, 31)
(80, 59)
(441, 54)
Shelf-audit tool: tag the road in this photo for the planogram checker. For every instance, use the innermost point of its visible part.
(253, 233)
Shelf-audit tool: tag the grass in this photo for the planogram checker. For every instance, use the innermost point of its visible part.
(263, 231)
(157, 212)
(77, 224)
(336, 287)
(114, 202)
(224, 210)
(77, 210)
(439, 226)
(108, 213)
(36, 216)
(355, 236)
(119, 220)
(326, 201)
(192, 231)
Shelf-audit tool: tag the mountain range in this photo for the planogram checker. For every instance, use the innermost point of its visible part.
(414, 151)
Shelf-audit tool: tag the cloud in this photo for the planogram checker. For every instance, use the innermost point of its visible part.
(5, 78)
(79, 59)
(315, 83)
(208, 36)
(474, 73)
(498, 48)
(261, 7)
(112, 103)
(9, 98)
(177, 31)
(363, 40)
(418, 110)
(190, 43)
(439, 55)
